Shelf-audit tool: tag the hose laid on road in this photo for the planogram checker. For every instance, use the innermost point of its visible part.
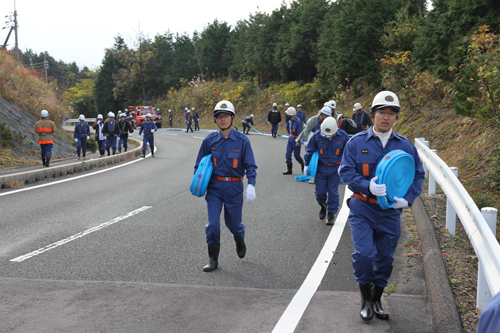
(282, 135)
(397, 171)
(202, 176)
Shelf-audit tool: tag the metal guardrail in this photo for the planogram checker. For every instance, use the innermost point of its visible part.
(76, 121)
(480, 234)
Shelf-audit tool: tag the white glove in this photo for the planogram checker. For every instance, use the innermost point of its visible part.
(139, 136)
(305, 144)
(305, 170)
(279, 123)
(400, 203)
(268, 122)
(130, 134)
(152, 130)
(88, 137)
(376, 189)
(250, 194)
(76, 140)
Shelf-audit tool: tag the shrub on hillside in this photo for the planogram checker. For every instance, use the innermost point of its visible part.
(5, 135)
(25, 90)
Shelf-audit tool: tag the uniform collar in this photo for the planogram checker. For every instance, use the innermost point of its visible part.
(371, 134)
(231, 135)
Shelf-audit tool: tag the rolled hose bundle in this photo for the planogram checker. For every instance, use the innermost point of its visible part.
(313, 165)
(397, 171)
(202, 176)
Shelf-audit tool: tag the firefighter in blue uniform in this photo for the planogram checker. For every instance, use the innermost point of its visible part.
(295, 130)
(301, 115)
(329, 143)
(126, 130)
(189, 120)
(111, 130)
(375, 232)
(490, 317)
(274, 117)
(81, 135)
(149, 128)
(232, 158)
(170, 117)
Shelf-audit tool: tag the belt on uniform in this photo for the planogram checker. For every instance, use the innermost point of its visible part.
(364, 198)
(228, 179)
(330, 163)
(294, 136)
(148, 134)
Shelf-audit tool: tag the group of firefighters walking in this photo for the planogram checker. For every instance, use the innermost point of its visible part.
(375, 231)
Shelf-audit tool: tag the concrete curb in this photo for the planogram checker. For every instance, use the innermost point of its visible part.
(67, 169)
(445, 317)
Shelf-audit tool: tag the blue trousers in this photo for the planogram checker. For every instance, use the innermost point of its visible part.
(81, 145)
(111, 142)
(46, 149)
(196, 126)
(188, 127)
(274, 128)
(291, 146)
(151, 141)
(229, 194)
(170, 121)
(375, 233)
(124, 140)
(245, 127)
(327, 186)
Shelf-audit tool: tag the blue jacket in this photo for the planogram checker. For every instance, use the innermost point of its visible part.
(232, 157)
(302, 116)
(147, 127)
(295, 127)
(362, 155)
(81, 130)
(330, 150)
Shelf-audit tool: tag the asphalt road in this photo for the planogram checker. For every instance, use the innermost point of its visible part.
(123, 251)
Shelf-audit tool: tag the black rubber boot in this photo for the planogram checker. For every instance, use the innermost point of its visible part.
(119, 150)
(47, 160)
(43, 161)
(302, 166)
(241, 249)
(322, 212)
(83, 156)
(108, 152)
(288, 169)
(366, 312)
(213, 254)
(377, 303)
(125, 150)
(78, 156)
(143, 154)
(114, 152)
(152, 154)
(331, 218)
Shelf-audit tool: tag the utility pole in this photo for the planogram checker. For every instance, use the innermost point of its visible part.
(15, 29)
(45, 65)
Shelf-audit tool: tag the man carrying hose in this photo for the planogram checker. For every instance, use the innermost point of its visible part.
(375, 232)
(329, 143)
(232, 158)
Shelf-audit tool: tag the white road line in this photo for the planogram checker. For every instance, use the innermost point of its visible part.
(169, 133)
(198, 137)
(75, 178)
(78, 235)
(295, 310)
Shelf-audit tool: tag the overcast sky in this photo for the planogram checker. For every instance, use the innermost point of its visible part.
(79, 31)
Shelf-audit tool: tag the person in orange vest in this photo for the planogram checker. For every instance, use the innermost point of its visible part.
(45, 128)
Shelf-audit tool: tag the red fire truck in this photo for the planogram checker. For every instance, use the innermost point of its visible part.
(139, 114)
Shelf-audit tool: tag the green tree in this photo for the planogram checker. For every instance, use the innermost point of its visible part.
(81, 97)
(212, 49)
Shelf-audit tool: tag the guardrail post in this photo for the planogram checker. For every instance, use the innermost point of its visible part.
(483, 291)
(451, 214)
(432, 180)
(426, 170)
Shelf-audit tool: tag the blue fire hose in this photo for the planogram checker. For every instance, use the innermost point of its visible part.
(202, 176)
(313, 165)
(397, 171)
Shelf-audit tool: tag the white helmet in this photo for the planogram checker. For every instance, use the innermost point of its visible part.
(329, 127)
(357, 106)
(192, 109)
(148, 115)
(291, 111)
(99, 116)
(299, 106)
(224, 106)
(385, 98)
(111, 114)
(286, 104)
(326, 110)
(275, 105)
(126, 110)
(251, 115)
(186, 109)
(44, 113)
(169, 110)
(332, 104)
(123, 114)
(82, 117)
(157, 109)
(326, 104)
